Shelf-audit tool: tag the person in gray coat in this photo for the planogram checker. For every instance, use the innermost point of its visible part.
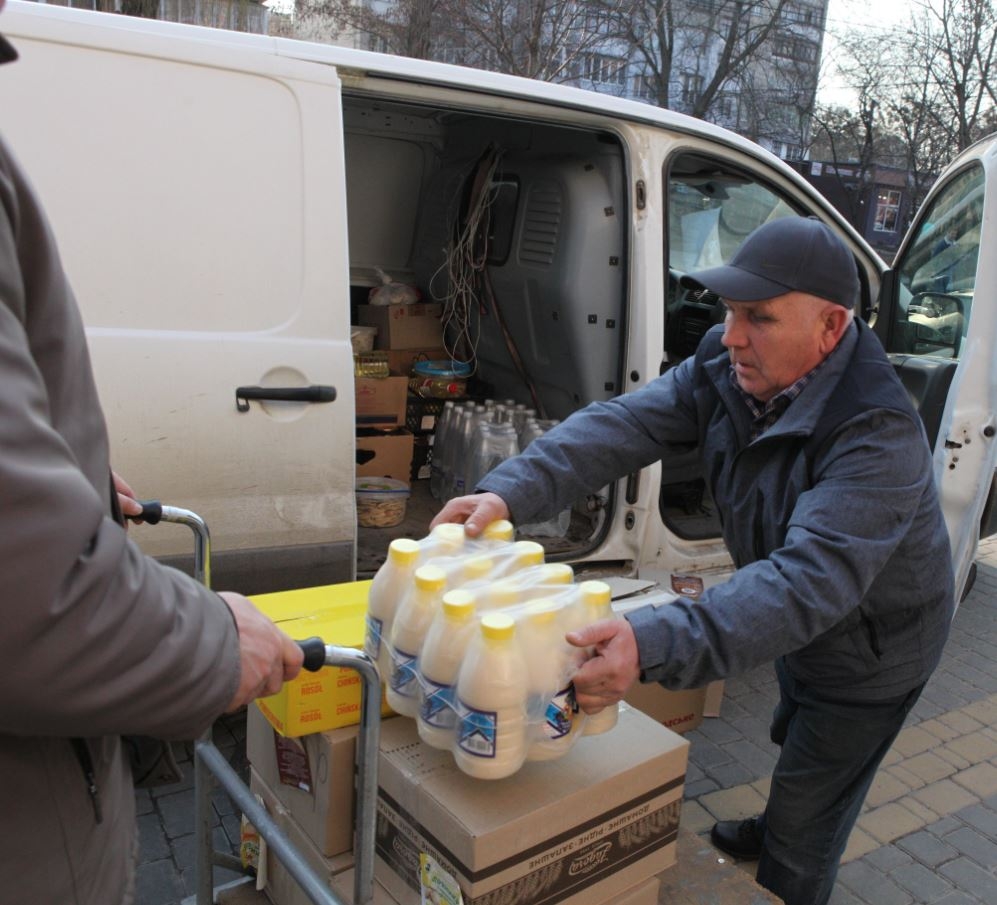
(821, 473)
(98, 640)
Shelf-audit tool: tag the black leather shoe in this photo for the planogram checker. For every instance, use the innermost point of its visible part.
(739, 838)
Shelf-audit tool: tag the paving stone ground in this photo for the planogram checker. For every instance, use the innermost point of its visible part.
(927, 834)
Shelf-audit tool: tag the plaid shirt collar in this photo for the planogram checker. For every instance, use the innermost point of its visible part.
(765, 414)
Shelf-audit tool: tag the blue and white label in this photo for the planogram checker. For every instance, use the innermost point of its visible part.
(476, 731)
(438, 705)
(372, 640)
(404, 677)
(560, 714)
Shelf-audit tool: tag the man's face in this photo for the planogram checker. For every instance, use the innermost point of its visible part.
(775, 342)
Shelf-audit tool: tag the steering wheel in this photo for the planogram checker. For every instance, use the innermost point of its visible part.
(689, 313)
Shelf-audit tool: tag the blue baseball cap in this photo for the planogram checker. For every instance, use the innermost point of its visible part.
(791, 254)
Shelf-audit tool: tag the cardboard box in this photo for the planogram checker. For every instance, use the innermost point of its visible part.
(330, 698)
(381, 401)
(580, 830)
(679, 711)
(312, 777)
(280, 886)
(393, 451)
(415, 326)
(714, 698)
(645, 893)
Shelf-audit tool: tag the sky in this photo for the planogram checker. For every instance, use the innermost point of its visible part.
(844, 15)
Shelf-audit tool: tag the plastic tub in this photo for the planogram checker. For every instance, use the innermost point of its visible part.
(362, 338)
(381, 502)
(441, 379)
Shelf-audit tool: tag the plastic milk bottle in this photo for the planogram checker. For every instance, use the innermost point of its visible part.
(477, 571)
(554, 717)
(492, 689)
(520, 555)
(595, 602)
(390, 584)
(439, 663)
(546, 580)
(497, 595)
(444, 540)
(412, 621)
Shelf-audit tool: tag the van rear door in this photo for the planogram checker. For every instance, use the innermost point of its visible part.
(196, 191)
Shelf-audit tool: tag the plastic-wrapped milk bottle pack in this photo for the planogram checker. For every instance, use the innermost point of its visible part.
(468, 635)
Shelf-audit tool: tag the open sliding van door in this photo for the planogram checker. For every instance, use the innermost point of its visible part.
(194, 180)
(938, 321)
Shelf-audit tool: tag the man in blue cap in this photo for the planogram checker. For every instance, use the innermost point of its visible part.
(822, 476)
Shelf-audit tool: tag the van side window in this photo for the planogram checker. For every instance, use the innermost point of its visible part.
(711, 209)
(937, 274)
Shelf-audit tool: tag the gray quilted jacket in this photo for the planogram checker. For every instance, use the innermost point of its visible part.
(832, 519)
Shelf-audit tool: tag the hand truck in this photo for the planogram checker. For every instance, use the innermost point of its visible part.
(210, 764)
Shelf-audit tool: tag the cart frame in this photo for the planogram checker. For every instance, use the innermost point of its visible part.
(210, 765)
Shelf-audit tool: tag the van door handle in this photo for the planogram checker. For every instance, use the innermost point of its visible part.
(316, 393)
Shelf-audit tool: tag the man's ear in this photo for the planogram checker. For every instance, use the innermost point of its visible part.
(835, 320)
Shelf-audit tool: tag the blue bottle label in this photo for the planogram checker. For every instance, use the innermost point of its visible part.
(438, 705)
(476, 731)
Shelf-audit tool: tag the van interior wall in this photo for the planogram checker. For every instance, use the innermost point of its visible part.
(555, 251)
(555, 257)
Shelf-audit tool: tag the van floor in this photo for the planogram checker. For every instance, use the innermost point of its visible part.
(372, 543)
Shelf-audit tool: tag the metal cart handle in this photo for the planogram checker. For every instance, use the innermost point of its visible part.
(210, 763)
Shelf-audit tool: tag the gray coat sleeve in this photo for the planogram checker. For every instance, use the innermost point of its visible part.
(97, 639)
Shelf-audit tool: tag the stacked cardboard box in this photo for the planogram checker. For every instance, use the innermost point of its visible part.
(405, 333)
(594, 828)
(417, 326)
(680, 711)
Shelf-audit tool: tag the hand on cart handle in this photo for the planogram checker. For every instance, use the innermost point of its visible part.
(151, 512)
(126, 497)
(314, 651)
(268, 656)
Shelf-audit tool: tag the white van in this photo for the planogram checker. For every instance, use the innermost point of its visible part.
(223, 200)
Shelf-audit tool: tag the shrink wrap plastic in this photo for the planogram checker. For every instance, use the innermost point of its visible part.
(469, 637)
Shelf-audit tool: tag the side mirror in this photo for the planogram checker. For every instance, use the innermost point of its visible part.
(937, 321)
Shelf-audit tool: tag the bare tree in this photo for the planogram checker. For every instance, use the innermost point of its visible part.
(931, 82)
(553, 40)
(962, 38)
(710, 42)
